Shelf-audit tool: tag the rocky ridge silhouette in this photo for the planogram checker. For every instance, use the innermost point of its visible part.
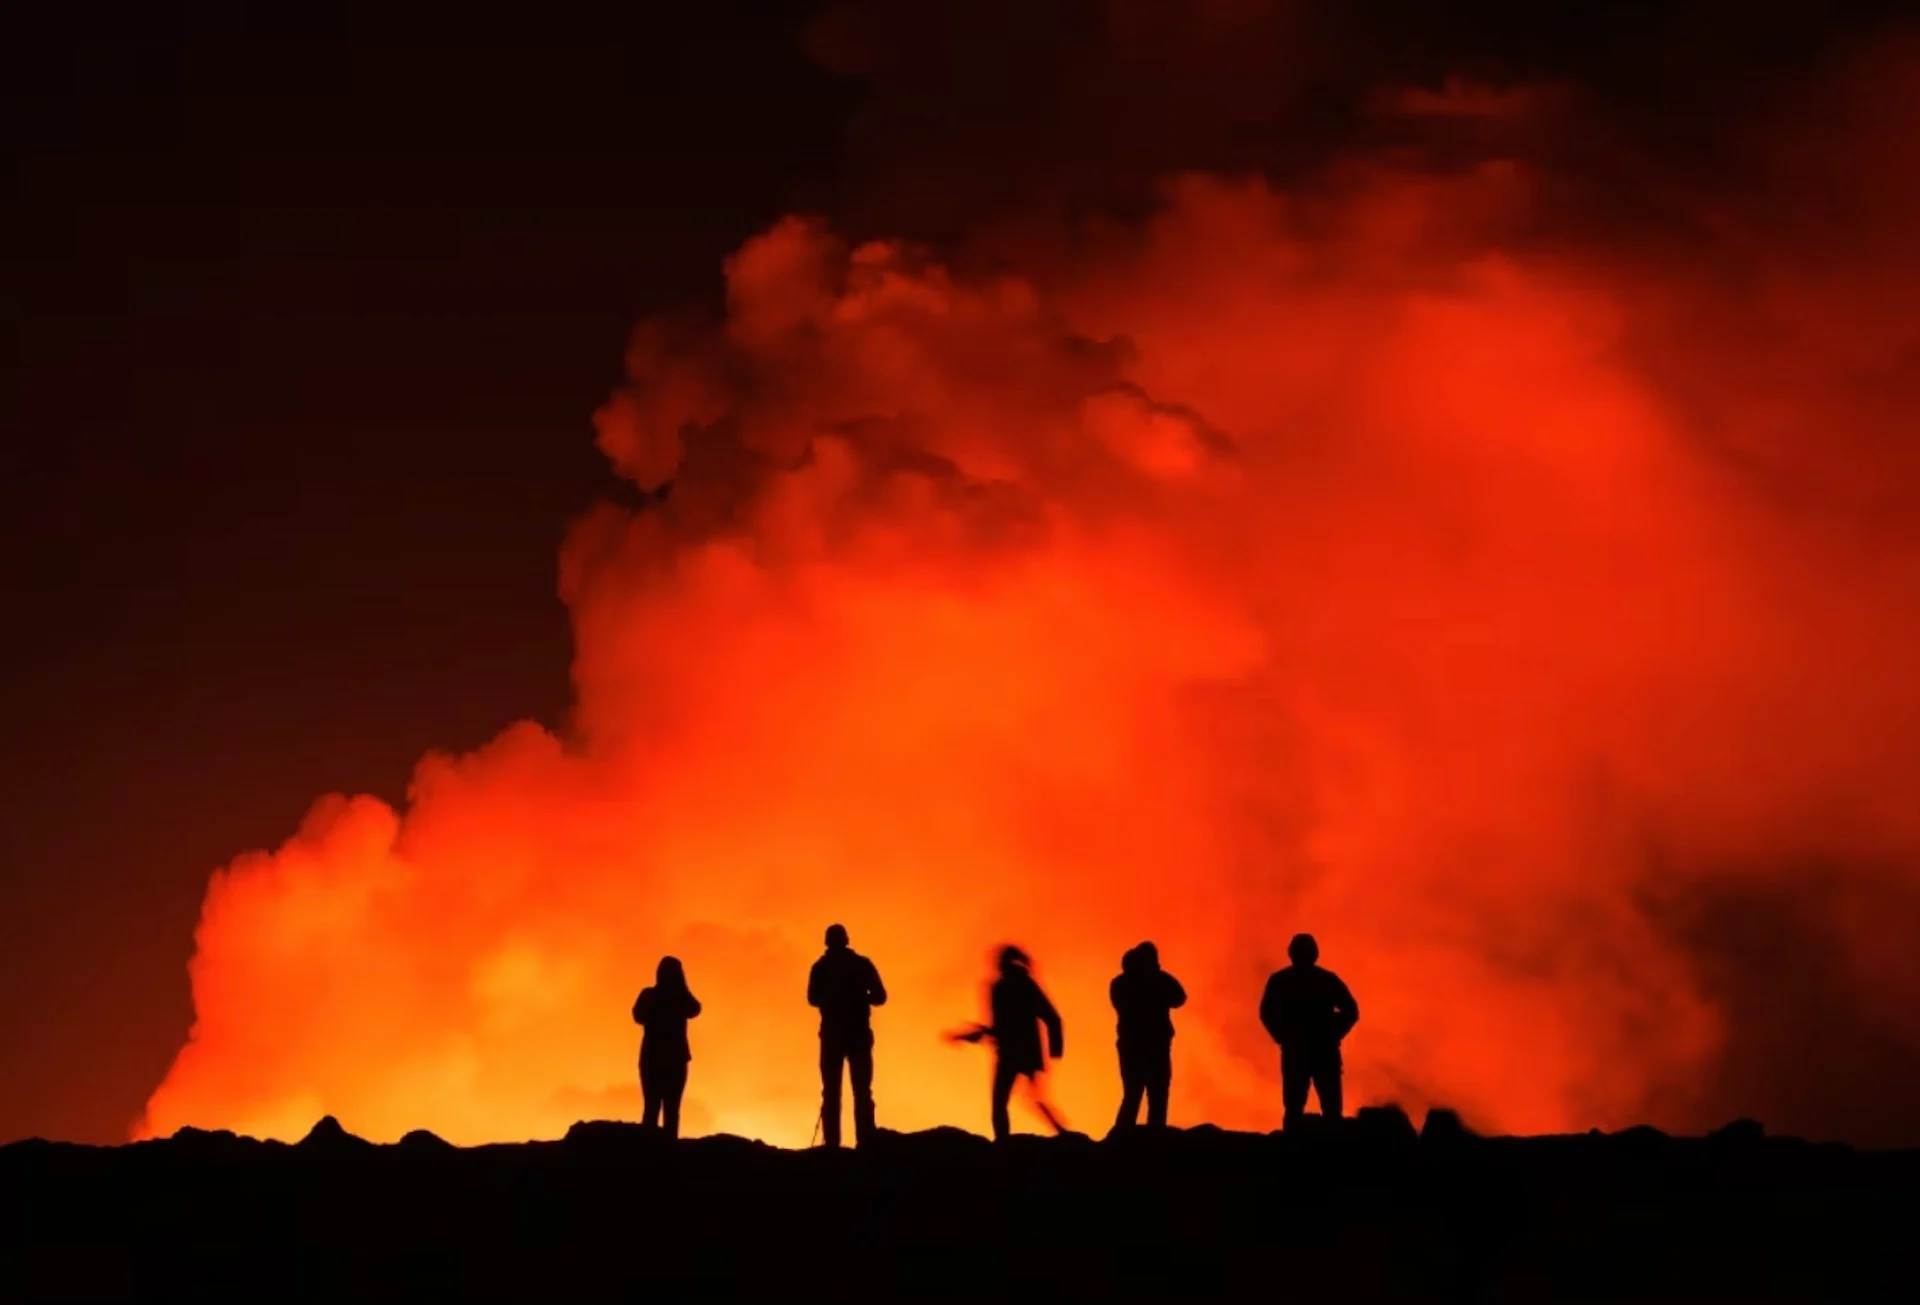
(1376, 1210)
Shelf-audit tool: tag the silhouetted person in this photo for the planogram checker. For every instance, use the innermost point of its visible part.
(1308, 1011)
(662, 1011)
(1019, 1009)
(845, 987)
(1144, 997)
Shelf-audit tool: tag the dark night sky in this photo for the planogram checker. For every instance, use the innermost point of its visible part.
(307, 313)
(308, 308)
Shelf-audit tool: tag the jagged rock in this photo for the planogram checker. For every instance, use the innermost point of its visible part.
(945, 1137)
(1043, 1144)
(1641, 1135)
(223, 1140)
(1150, 1139)
(727, 1148)
(1444, 1125)
(936, 1148)
(33, 1146)
(1384, 1124)
(422, 1140)
(327, 1134)
(188, 1133)
(1312, 1128)
(1200, 1214)
(612, 1132)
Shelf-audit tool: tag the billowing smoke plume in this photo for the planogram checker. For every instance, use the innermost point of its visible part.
(1526, 602)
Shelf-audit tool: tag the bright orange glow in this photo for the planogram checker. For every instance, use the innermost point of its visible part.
(1334, 564)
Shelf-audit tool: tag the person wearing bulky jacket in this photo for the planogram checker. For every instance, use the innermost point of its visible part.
(1309, 1012)
(1144, 997)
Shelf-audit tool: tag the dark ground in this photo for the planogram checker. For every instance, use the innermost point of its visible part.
(1373, 1214)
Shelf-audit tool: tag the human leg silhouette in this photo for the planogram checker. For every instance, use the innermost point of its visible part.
(1131, 1090)
(1042, 1106)
(1326, 1086)
(832, 1056)
(860, 1070)
(1157, 1088)
(1152, 1068)
(1003, 1081)
(1295, 1078)
(652, 1098)
(673, 1086)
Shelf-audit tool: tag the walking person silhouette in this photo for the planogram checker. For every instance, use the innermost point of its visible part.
(662, 1012)
(1019, 1009)
(1143, 997)
(844, 987)
(1309, 1012)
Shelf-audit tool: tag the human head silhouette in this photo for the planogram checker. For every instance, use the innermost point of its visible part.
(1011, 959)
(669, 973)
(836, 937)
(1143, 959)
(1303, 950)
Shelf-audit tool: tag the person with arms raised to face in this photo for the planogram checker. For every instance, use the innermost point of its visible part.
(662, 1011)
(1144, 997)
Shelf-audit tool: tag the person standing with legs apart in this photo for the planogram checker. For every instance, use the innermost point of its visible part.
(1144, 997)
(844, 987)
(1309, 1012)
(662, 1011)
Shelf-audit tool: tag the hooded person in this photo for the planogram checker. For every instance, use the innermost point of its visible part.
(844, 987)
(1309, 1012)
(1144, 997)
(662, 1012)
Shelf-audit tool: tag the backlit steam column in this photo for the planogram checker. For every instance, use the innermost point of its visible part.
(1225, 582)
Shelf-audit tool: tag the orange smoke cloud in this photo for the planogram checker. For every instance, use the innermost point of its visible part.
(1344, 560)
